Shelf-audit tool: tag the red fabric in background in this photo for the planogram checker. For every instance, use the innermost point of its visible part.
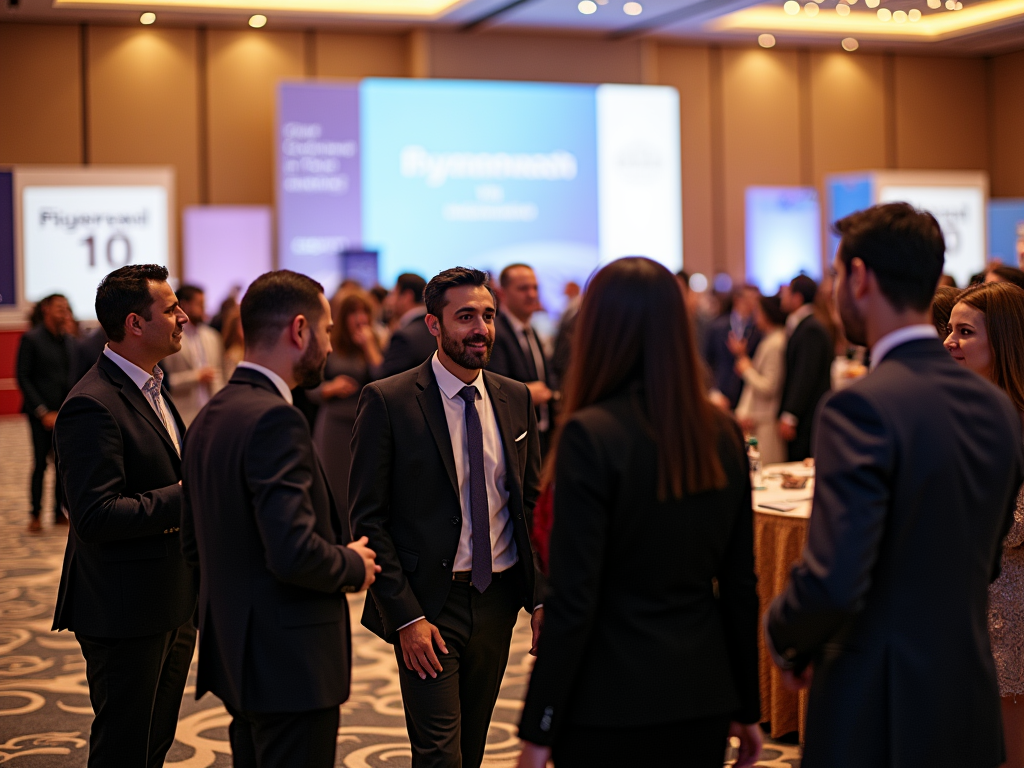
(543, 517)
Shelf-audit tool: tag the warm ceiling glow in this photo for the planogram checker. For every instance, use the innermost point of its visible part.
(633, 9)
(147, 18)
(408, 8)
(587, 7)
(811, 9)
(899, 16)
(766, 40)
(792, 7)
(872, 3)
(934, 4)
(884, 14)
(850, 44)
(258, 21)
(914, 15)
(843, 9)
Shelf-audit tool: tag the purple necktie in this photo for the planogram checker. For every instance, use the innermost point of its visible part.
(479, 513)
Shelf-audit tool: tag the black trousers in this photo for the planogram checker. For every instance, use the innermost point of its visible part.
(135, 686)
(448, 716)
(283, 739)
(42, 446)
(697, 743)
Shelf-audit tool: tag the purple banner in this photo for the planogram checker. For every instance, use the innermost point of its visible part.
(318, 180)
(7, 298)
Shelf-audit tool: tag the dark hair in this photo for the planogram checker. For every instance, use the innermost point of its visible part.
(124, 292)
(273, 300)
(48, 300)
(411, 282)
(771, 306)
(341, 338)
(903, 246)
(1003, 307)
(633, 326)
(805, 286)
(1004, 273)
(188, 292)
(435, 294)
(943, 301)
(503, 278)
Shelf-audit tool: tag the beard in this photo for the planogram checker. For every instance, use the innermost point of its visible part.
(309, 371)
(851, 318)
(456, 349)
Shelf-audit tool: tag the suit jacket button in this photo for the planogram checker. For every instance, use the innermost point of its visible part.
(456, 520)
(444, 563)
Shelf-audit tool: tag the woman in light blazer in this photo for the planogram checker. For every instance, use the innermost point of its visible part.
(763, 377)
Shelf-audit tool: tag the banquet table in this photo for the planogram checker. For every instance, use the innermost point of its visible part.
(779, 536)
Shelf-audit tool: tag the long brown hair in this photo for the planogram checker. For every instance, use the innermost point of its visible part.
(341, 337)
(1003, 307)
(633, 326)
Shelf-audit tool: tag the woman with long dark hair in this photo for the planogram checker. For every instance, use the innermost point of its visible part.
(648, 655)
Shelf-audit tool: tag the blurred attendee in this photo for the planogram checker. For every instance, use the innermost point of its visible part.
(45, 367)
(738, 324)
(763, 377)
(354, 362)
(640, 662)
(917, 467)
(229, 304)
(233, 340)
(566, 329)
(411, 342)
(89, 347)
(986, 333)
(699, 320)
(942, 305)
(518, 352)
(196, 373)
(809, 356)
(1000, 273)
(947, 281)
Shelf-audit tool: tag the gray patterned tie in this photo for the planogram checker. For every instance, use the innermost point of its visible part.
(479, 513)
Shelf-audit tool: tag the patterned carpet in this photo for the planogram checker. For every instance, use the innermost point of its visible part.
(44, 699)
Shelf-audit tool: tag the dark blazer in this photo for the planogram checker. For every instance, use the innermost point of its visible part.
(509, 359)
(634, 635)
(123, 574)
(918, 466)
(403, 492)
(44, 368)
(260, 523)
(809, 354)
(409, 346)
(721, 360)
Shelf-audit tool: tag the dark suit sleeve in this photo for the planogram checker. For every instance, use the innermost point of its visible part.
(24, 366)
(369, 496)
(851, 498)
(579, 541)
(531, 491)
(279, 466)
(91, 462)
(187, 526)
(813, 353)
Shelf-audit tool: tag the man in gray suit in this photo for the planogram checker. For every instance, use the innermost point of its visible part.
(918, 465)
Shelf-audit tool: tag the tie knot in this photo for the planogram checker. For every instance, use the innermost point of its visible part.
(469, 394)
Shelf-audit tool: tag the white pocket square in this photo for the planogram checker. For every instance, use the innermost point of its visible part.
(521, 436)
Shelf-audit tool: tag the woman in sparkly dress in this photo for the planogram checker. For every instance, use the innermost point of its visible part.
(986, 333)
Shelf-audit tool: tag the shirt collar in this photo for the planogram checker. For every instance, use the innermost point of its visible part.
(276, 380)
(517, 325)
(450, 384)
(897, 338)
(136, 374)
(797, 316)
(413, 314)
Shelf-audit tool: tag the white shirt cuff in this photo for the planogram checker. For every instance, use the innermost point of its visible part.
(410, 623)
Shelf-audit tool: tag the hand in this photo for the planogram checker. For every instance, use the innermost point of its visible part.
(363, 337)
(536, 622)
(533, 756)
(340, 387)
(369, 560)
(206, 375)
(741, 365)
(751, 738)
(49, 419)
(795, 682)
(540, 392)
(736, 345)
(787, 431)
(417, 641)
(719, 400)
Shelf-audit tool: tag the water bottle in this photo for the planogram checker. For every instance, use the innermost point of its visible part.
(754, 456)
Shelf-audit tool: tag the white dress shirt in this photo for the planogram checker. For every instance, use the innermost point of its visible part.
(142, 379)
(900, 336)
(276, 380)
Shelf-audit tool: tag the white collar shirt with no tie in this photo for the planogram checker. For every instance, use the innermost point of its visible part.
(898, 338)
(143, 381)
(277, 381)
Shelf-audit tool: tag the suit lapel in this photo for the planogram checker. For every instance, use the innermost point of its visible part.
(131, 393)
(429, 399)
(503, 416)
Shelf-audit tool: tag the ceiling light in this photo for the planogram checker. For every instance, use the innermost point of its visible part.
(899, 17)
(258, 20)
(792, 7)
(766, 40)
(958, 5)
(811, 9)
(852, 2)
(147, 18)
(934, 4)
(914, 14)
(632, 9)
(884, 14)
(843, 9)
(950, 5)
(587, 7)
(431, 9)
(850, 44)
(872, 3)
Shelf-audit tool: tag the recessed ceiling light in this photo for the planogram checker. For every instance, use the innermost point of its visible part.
(257, 20)
(872, 3)
(792, 7)
(843, 9)
(899, 17)
(959, 6)
(934, 4)
(587, 7)
(914, 14)
(147, 18)
(950, 5)
(850, 44)
(811, 9)
(766, 40)
(633, 9)
(884, 14)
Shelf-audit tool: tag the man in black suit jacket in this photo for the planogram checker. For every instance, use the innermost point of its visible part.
(45, 367)
(809, 354)
(411, 343)
(126, 591)
(275, 556)
(517, 352)
(445, 461)
(739, 323)
(918, 466)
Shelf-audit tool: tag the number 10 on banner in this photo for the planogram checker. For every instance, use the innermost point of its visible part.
(118, 250)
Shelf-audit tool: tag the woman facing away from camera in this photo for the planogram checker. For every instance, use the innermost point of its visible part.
(986, 329)
(648, 655)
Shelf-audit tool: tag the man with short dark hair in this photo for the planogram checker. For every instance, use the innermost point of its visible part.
(275, 553)
(809, 354)
(917, 470)
(196, 373)
(737, 324)
(411, 342)
(445, 464)
(126, 591)
(45, 367)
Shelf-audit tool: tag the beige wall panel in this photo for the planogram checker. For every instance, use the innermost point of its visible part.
(941, 120)
(243, 71)
(760, 134)
(40, 94)
(143, 101)
(339, 55)
(1007, 116)
(687, 69)
(500, 56)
